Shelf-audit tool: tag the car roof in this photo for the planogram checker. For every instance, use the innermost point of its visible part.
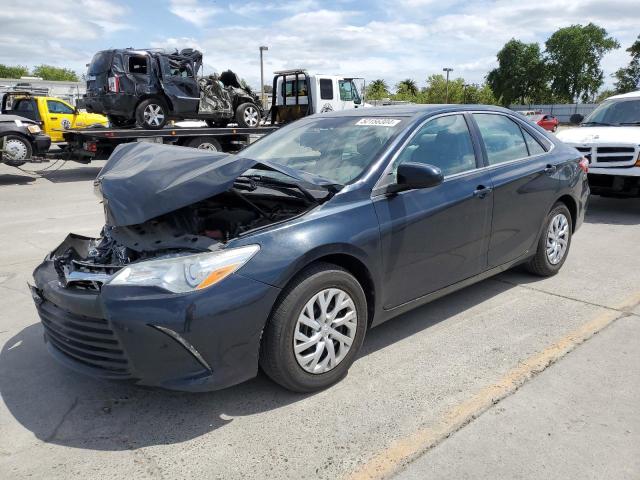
(625, 95)
(412, 110)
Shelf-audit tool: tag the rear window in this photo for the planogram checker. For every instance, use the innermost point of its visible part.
(100, 63)
(326, 89)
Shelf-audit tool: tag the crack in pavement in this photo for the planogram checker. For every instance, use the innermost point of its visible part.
(623, 309)
(53, 434)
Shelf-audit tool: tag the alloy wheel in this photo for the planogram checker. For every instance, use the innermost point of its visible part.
(208, 146)
(251, 116)
(153, 114)
(557, 238)
(325, 330)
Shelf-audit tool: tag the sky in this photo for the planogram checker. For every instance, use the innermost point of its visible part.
(388, 39)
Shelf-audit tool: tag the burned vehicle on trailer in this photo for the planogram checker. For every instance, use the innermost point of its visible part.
(149, 87)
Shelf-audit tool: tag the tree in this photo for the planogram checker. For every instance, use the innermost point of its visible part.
(629, 77)
(573, 56)
(13, 72)
(521, 74)
(268, 89)
(407, 89)
(49, 72)
(377, 90)
(436, 90)
(603, 95)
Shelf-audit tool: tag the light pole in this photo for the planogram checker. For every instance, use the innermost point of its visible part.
(447, 69)
(262, 49)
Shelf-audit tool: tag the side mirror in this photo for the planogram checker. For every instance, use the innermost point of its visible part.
(576, 118)
(411, 176)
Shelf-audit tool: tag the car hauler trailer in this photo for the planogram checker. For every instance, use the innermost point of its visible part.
(98, 143)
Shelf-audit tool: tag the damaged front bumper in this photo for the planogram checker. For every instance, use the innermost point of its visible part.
(198, 341)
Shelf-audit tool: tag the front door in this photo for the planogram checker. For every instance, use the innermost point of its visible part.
(435, 237)
(180, 86)
(61, 116)
(525, 181)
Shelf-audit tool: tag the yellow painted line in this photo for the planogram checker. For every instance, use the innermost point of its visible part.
(405, 449)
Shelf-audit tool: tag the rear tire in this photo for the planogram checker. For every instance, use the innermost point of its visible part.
(152, 114)
(554, 243)
(341, 320)
(248, 115)
(17, 150)
(204, 143)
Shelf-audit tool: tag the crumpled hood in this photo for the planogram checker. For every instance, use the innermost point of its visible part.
(141, 181)
(590, 135)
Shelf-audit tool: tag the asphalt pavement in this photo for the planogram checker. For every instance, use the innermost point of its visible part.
(506, 378)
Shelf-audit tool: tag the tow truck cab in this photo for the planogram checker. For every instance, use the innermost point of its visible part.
(52, 114)
(610, 139)
(296, 94)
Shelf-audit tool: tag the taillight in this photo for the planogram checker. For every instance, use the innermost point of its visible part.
(584, 165)
(114, 84)
(91, 146)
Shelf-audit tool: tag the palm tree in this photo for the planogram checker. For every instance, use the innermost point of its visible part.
(378, 90)
(407, 87)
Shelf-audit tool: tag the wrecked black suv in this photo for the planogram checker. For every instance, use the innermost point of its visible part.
(149, 87)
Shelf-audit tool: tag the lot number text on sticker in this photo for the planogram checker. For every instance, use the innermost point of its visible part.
(378, 122)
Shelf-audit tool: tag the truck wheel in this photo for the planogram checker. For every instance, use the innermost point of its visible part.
(16, 150)
(121, 122)
(248, 115)
(205, 143)
(151, 113)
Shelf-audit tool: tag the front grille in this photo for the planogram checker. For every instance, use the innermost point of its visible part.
(87, 340)
(610, 155)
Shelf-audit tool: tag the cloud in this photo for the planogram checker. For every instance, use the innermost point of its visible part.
(193, 11)
(59, 35)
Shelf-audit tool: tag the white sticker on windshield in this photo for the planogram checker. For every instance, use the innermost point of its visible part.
(378, 122)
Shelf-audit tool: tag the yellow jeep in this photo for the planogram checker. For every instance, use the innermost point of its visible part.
(53, 114)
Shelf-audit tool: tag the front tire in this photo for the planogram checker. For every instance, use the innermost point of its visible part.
(17, 150)
(248, 115)
(315, 330)
(205, 143)
(554, 243)
(152, 114)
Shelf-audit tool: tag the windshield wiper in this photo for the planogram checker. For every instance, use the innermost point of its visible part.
(629, 123)
(597, 123)
(274, 182)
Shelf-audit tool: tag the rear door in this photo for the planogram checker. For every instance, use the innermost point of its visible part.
(525, 181)
(180, 85)
(60, 116)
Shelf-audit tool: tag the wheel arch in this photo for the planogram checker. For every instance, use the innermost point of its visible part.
(355, 267)
(572, 205)
(156, 96)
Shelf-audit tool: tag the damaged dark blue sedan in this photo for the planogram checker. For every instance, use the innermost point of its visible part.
(282, 257)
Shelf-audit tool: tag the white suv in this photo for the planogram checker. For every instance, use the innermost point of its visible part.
(610, 138)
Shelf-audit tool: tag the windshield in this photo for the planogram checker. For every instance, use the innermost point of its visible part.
(616, 112)
(100, 63)
(338, 149)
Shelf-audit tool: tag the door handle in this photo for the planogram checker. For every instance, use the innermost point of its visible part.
(549, 169)
(53, 118)
(481, 191)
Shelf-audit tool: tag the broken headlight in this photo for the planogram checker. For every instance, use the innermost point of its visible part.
(186, 273)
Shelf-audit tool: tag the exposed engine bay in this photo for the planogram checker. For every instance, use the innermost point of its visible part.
(205, 225)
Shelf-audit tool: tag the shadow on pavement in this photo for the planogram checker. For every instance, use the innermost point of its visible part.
(62, 407)
(8, 179)
(75, 174)
(613, 211)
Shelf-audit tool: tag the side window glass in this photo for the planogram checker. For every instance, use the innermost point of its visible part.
(534, 146)
(346, 92)
(326, 89)
(138, 65)
(444, 142)
(502, 138)
(58, 107)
